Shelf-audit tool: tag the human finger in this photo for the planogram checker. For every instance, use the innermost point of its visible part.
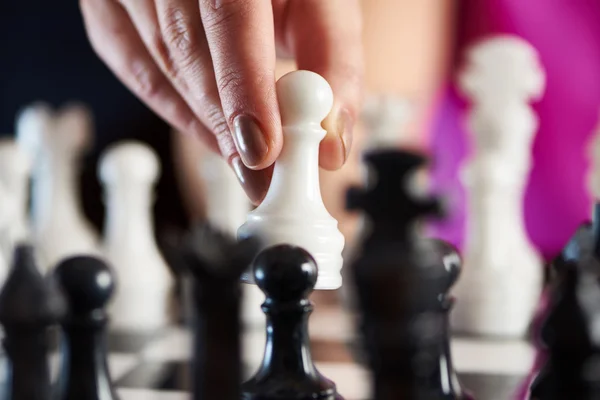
(326, 38)
(242, 45)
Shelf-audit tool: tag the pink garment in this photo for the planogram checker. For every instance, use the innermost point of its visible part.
(566, 34)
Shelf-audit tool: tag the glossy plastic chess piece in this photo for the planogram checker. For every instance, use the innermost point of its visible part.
(6, 210)
(226, 208)
(29, 305)
(293, 211)
(401, 283)
(287, 275)
(501, 285)
(56, 141)
(129, 171)
(216, 263)
(571, 340)
(15, 171)
(87, 283)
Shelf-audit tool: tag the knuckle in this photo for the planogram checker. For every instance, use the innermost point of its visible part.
(229, 81)
(221, 13)
(179, 46)
(143, 82)
(216, 120)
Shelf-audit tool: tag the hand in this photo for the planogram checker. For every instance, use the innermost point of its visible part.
(208, 68)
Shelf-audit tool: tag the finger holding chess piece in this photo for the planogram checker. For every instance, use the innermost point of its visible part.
(293, 211)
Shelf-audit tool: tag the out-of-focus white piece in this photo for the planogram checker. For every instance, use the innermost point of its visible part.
(500, 286)
(57, 141)
(226, 203)
(129, 170)
(386, 117)
(593, 178)
(15, 170)
(293, 211)
(6, 209)
(226, 208)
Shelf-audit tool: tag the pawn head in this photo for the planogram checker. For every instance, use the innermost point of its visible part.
(87, 283)
(285, 273)
(129, 162)
(304, 97)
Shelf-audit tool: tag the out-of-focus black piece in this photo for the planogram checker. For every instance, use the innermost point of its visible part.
(401, 282)
(569, 332)
(88, 284)
(29, 305)
(216, 263)
(287, 275)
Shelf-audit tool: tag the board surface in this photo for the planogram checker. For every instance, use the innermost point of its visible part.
(155, 366)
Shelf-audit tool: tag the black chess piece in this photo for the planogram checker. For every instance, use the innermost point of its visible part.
(569, 331)
(88, 284)
(216, 263)
(287, 275)
(402, 281)
(29, 305)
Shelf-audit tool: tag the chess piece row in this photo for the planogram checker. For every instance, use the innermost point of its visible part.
(48, 149)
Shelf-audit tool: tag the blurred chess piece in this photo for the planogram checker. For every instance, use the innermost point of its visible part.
(129, 170)
(502, 280)
(226, 208)
(386, 119)
(15, 170)
(57, 141)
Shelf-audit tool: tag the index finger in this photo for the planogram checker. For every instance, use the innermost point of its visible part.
(241, 39)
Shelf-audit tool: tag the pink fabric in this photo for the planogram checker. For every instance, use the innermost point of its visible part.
(566, 33)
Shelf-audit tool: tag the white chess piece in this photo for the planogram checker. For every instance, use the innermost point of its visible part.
(499, 290)
(57, 141)
(226, 208)
(385, 118)
(6, 210)
(226, 203)
(593, 178)
(129, 171)
(293, 211)
(15, 170)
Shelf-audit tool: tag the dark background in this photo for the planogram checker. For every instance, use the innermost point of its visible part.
(45, 56)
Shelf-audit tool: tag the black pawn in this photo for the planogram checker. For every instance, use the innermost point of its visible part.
(29, 305)
(88, 283)
(287, 275)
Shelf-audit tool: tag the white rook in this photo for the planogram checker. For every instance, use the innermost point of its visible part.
(293, 211)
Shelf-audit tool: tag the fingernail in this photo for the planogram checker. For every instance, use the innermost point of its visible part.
(249, 140)
(255, 183)
(345, 129)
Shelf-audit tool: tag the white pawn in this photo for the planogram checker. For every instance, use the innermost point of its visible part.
(57, 142)
(386, 118)
(15, 170)
(129, 171)
(293, 211)
(499, 290)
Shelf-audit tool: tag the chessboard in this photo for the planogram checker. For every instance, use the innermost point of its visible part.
(156, 366)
